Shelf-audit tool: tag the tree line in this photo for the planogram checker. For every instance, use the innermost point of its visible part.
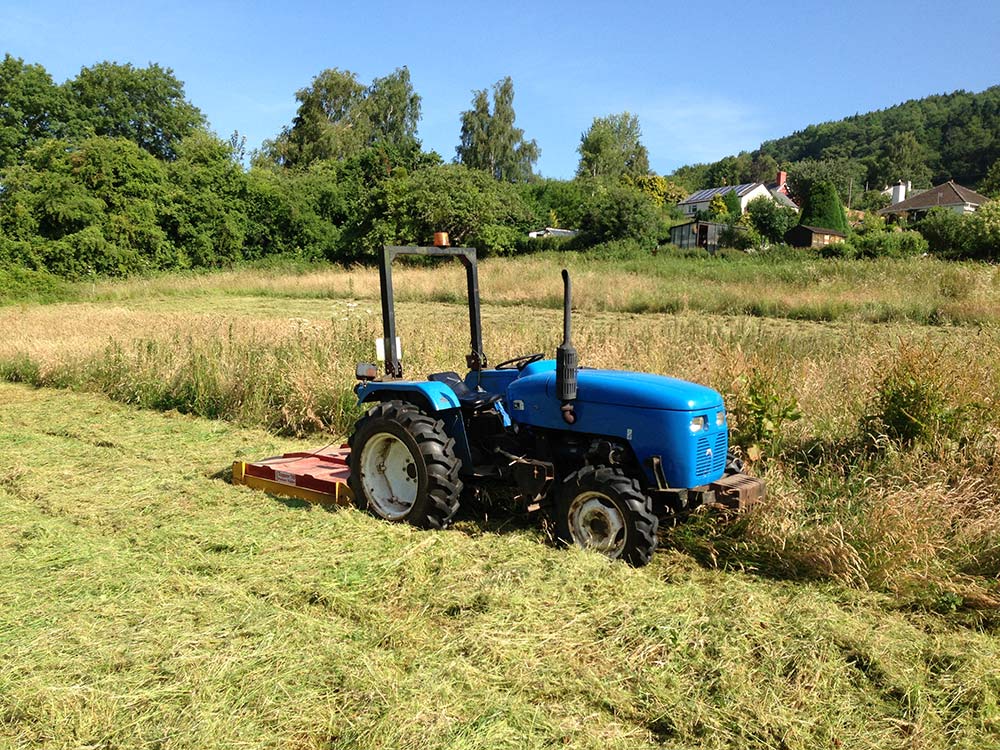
(115, 172)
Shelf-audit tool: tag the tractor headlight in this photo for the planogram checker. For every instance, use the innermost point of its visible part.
(720, 418)
(698, 423)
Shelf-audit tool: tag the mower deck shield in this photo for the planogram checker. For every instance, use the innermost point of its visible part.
(318, 477)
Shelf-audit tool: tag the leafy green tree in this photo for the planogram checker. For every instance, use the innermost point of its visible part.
(491, 142)
(467, 203)
(556, 203)
(990, 186)
(904, 158)
(612, 148)
(763, 168)
(733, 206)
(663, 191)
(32, 108)
(392, 110)
(619, 212)
(769, 219)
(144, 105)
(338, 117)
(718, 209)
(730, 170)
(848, 176)
(822, 208)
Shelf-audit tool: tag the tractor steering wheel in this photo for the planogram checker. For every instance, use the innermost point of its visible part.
(519, 362)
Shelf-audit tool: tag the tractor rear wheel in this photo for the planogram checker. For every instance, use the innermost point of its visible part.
(404, 466)
(603, 509)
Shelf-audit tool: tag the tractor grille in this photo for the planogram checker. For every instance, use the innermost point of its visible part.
(715, 462)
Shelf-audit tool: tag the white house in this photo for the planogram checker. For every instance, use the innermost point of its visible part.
(700, 200)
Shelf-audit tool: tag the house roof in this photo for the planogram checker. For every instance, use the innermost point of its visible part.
(821, 230)
(781, 199)
(708, 193)
(948, 194)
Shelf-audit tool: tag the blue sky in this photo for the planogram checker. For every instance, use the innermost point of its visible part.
(706, 78)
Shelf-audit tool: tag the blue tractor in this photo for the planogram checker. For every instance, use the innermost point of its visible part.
(605, 453)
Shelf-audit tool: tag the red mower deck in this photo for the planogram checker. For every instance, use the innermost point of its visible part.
(319, 477)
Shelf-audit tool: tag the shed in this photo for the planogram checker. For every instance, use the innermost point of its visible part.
(697, 234)
(806, 236)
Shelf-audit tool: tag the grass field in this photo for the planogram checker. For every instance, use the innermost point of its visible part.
(149, 603)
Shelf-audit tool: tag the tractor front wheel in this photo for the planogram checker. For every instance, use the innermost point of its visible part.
(404, 467)
(605, 510)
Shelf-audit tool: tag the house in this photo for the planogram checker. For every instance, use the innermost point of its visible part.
(697, 234)
(950, 195)
(779, 191)
(700, 200)
(806, 236)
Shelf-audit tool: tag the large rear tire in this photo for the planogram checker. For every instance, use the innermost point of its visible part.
(605, 510)
(404, 467)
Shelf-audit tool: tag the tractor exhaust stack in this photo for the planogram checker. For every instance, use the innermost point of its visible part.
(566, 358)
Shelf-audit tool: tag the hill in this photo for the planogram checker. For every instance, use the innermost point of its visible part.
(930, 140)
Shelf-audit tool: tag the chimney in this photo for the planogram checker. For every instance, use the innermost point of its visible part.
(782, 177)
(899, 192)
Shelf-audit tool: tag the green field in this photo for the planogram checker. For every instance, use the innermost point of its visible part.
(147, 602)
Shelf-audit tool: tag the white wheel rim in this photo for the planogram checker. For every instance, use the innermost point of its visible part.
(596, 523)
(388, 476)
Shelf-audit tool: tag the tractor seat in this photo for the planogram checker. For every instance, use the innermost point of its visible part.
(469, 399)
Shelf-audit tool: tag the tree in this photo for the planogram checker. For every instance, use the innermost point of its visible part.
(990, 186)
(717, 208)
(619, 212)
(660, 189)
(904, 158)
(733, 205)
(612, 148)
(848, 176)
(763, 168)
(144, 105)
(769, 219)
(467, 203)
(32, 107)
(822, 208)
(392, 110)
(491, 142)
(338, 118)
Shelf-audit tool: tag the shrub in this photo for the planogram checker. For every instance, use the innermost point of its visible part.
(909, 405)
(762, 404)
(946, 233)
(880, 245)
(620, 213)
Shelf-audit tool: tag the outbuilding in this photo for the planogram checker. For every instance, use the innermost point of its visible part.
(697, 234)
(806, 236)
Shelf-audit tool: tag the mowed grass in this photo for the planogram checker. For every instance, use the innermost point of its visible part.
(145, 602)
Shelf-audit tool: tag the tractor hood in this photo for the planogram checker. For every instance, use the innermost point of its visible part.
(621, 388)
(643, 390)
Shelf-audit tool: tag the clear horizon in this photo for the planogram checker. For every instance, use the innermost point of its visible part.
(704, 82)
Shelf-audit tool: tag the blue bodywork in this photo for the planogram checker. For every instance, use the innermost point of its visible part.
(650, 413)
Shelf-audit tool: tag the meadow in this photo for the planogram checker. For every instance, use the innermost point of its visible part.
(148, 602)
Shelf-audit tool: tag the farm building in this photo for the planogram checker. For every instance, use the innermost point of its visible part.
(700, 200)
(949, 195)
(806, 236)
(697, 234)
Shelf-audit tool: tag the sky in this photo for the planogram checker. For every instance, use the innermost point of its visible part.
(706, 79)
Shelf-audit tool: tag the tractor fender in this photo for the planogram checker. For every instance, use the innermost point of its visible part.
(429, 395)
(432, 398)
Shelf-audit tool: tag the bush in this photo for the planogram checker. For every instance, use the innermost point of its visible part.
(946, 232)
(909, 405)
(879, 245)
(762, 404)
(618, 212)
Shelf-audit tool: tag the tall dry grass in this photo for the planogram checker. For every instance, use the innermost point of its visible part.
(849, 499)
